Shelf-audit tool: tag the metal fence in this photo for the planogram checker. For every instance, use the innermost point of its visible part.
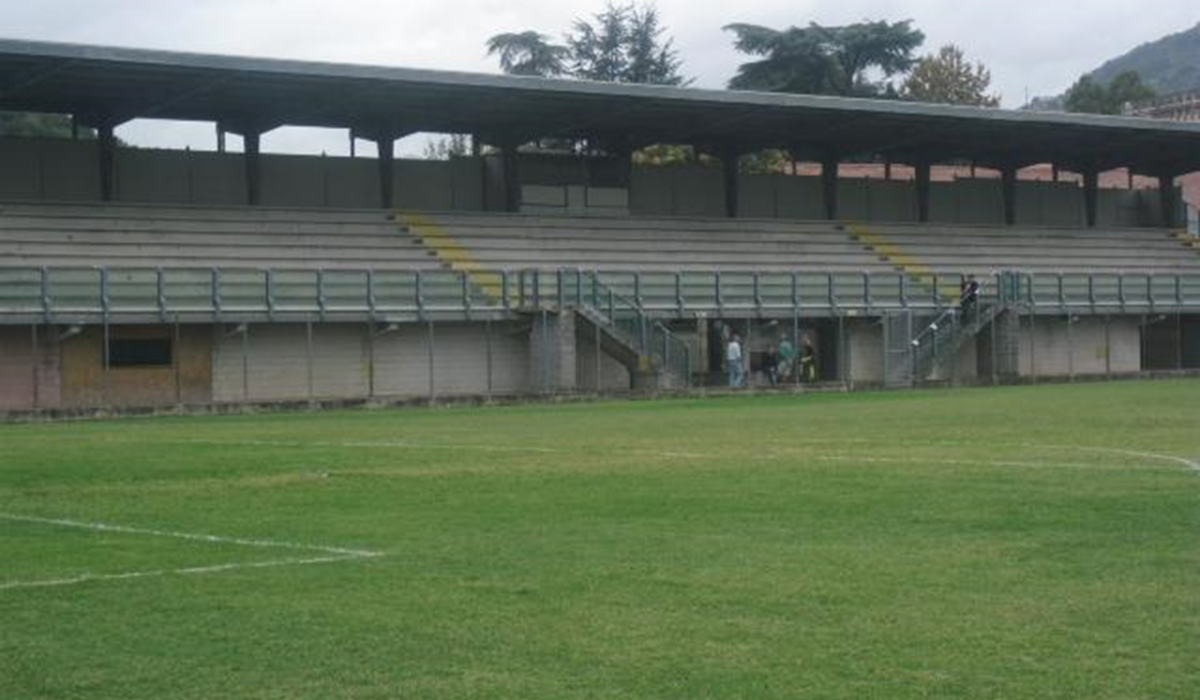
(81, 294)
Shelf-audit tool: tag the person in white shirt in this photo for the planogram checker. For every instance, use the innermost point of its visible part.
(733, 361)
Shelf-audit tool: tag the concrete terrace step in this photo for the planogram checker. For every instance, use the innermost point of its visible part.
(681, 247)
(234, 228)
(190, 213)
(116, 238)
(174, 261)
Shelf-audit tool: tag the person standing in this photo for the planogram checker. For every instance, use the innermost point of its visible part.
(787, 359)
(733, 361)
(968, 296)
(808, 361)
(770, 366)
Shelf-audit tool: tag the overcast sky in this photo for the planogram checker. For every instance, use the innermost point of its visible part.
(1034, 46)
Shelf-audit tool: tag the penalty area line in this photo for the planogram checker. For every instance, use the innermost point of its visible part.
(328, 555)
(186, 571)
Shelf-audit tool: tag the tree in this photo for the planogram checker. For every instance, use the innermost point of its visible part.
(947, 77)
(652, 59)
(34, 124)
(445, 148)
(825, 60)
(598, 51)
(1087, 96)
(621, 44)
(1128, 89)
(1092, 97)
(529, 53)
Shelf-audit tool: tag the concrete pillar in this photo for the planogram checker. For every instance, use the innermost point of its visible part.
(387, 169)
(1008, 184)
(646, 378)
(1091, 196)
(729, 169)
(552, 351)
(1166, 198)
(253, 160)
(923, 177)
(108, 159)
(1006, 345)
(829, 186)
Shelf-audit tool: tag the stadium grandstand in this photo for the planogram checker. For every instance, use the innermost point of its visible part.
(142, 277)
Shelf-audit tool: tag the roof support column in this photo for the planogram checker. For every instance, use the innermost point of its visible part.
(108, 159)
(829, 185)
(253, 160)
(512, 183)
(1166, 198)
(386, 143)
(730, 160)
(1091, 196)
(923, 169)
(1008, 186)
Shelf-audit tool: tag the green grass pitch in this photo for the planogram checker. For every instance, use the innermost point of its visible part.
(1035, 542)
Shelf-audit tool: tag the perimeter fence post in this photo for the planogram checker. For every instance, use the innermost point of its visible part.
(543, 346)
(1070, 347)
(104, 379)
(599, 359)
(487, 330)
(308, 346)
(1108, 346)
(1178, 340)
(430, 341)
(370, 325)
(747, 364)
(1033, 365)
(175, 360)
(795, 365)
(842, 352)
(246, 363)
(34, 350)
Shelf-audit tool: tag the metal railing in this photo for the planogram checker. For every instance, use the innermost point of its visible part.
(622, 316)
(70, 292)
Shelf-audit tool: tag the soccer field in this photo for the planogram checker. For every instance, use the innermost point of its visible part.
(1032, 542)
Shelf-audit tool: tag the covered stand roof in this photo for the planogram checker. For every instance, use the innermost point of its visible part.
(112, 85)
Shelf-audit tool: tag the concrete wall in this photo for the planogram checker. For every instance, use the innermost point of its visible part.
(22, 385)
(277, 361)
(460, 360)
(677, 191)
(86, 384)
(71, 374)
(864, 351)
(58, 169)
(613, 375)
(64, 170)
(1053, 350)
(1046, 349)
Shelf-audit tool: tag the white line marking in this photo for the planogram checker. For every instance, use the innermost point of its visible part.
(392, 444)
(1190, 464)
(781, 449)
(826, 457)
(86, 578)
(333, 554)
(795, 451)
(106, 527)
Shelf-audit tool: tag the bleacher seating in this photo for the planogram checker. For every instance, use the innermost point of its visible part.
(981, 249)
(649, 244)
(85, 235)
